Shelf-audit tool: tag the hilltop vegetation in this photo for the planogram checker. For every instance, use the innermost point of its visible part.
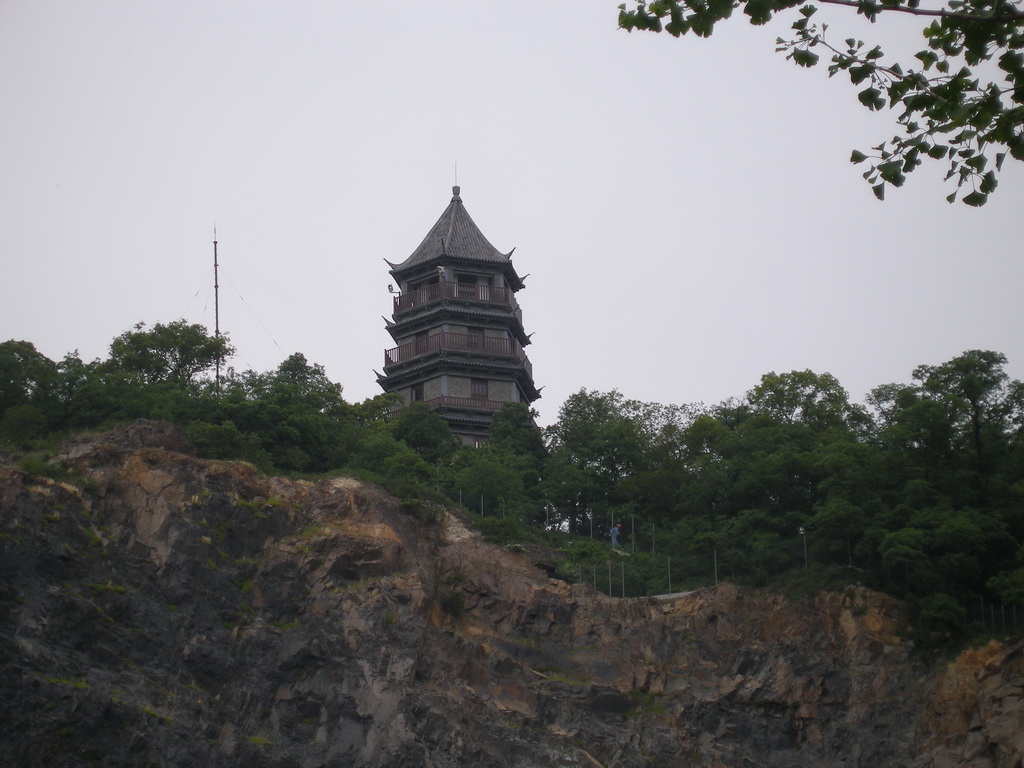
(159, 609)
(919, 492)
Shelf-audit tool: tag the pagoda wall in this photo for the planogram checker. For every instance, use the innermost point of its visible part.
(497, 390)
(459, 386)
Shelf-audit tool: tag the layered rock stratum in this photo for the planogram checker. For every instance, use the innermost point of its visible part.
(169, 611)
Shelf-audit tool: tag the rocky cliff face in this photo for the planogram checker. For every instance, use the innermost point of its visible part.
(176, 612)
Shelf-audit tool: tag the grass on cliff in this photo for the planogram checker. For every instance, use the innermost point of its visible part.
(40, 464)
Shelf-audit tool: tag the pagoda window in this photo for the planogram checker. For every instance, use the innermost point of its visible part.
(475, 338)
(478, 389)
(474, 286)
(415, 393)
(424, 283)
(468, 277)
(467, 286)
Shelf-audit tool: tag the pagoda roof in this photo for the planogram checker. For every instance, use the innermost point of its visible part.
(454, 236)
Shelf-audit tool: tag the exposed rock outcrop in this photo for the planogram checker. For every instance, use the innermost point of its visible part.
(170, 611)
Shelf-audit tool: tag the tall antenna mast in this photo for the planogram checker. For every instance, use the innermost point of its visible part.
(216, 302)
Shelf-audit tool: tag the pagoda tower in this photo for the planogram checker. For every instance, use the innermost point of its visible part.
(458, 327)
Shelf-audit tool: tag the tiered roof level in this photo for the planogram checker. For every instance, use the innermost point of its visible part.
(458, 327)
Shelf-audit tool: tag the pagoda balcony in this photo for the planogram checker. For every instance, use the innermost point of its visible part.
(469, 292)
(455, 403)
(466, 403)
(472, 343)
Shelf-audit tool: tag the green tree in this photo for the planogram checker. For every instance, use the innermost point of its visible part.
(23, 423)
(939, 618)
(490, 483)
(595, 445)
(703, 491)
(757, 545)
(920, 438)
(297, 412)
(515, 436)
(904, 554)
(176, 352)
(27, 377)
(982, 401)
(378, 409)
(224, 441)
(655, 488)
(375, 449)
(423, 430)
(948, 108)
(514, 429)
(1008, 585)
(957, 426)
(815, 399)
(847, 501)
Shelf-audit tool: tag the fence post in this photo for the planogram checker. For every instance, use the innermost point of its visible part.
(669, 575)
(622, 575)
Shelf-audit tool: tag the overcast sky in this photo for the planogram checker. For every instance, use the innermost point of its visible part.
(685, 209)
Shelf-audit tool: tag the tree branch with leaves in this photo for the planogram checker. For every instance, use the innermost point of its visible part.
(961, 100)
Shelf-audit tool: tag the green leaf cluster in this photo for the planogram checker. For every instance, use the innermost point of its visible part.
(951, 104)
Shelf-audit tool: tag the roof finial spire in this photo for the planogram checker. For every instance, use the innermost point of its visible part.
(455, 193)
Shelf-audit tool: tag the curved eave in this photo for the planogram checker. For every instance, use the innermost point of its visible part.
(455, 237)
(401, 273)
(456, 312)
(446, 256)
(396, 377)
(466, 419)
(449, 361)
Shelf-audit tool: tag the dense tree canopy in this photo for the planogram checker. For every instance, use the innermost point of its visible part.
(959, 101)
(919, 493)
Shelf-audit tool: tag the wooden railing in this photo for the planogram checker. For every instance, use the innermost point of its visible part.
(488, 294)
(469, 403)
(457, 342)
(446, 401)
